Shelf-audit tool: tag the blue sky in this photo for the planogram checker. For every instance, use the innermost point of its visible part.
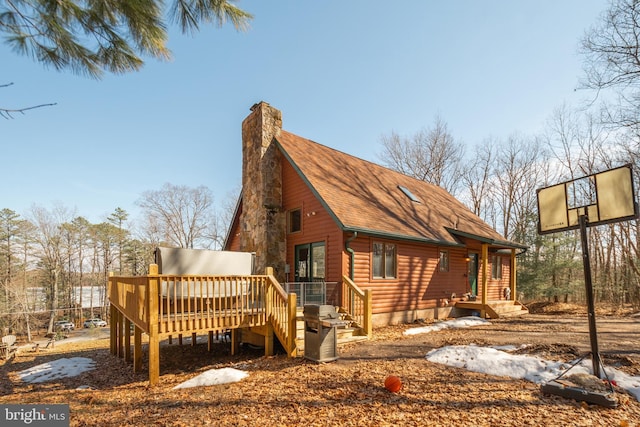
(343, 73)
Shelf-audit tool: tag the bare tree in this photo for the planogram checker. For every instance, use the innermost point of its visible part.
(612, 60)
(9, 232)
(476, 178)
(49, 240)
(118, 218)
(182, 215)
(518, 171)
(431, 155)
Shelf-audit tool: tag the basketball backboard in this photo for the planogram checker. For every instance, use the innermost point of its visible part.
(603, 197)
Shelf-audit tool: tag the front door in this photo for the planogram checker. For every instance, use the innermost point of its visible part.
(472, 274)
(309, 273)
(302, 263)
(310, 260)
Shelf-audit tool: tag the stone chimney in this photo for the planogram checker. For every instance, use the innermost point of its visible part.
(263, 220)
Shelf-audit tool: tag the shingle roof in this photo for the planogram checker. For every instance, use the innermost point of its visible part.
(365, 197)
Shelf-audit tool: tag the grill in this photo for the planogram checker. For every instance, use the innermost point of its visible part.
(320, 337)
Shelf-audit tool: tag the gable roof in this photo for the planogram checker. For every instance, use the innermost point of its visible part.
(365, 197)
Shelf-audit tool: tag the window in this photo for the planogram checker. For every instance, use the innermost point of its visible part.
(496, 267)
(444, 260)
(384, 260)
(409, 194)
(295, 221)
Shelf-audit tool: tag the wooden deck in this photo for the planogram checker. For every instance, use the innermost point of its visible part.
(164, 306)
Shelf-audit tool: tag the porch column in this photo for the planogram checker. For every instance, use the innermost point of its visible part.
(485, 278)
(512, 276)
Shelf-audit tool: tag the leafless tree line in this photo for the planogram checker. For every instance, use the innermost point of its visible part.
(498, 178)
(56, 264)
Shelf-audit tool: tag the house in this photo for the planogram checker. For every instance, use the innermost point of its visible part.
(316, 214)
(333, 229)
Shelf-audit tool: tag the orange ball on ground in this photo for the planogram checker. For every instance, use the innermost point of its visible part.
(393, 383)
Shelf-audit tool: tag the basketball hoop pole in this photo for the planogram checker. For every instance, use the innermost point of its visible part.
(593, 335)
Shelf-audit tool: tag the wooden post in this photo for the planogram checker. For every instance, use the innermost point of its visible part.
(292, 314)
(137, 349)
(126, 331)
(512, 278)
(268, 340)
(485, 278)
(368, 313)
(117, 321)
(234, 341)
(113, 338)
(154, 340)
(210, 341)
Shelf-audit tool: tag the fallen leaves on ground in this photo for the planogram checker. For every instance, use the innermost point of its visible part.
(291, 392)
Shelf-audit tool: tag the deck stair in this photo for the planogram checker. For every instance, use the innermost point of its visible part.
(344, 334)
(501, 309)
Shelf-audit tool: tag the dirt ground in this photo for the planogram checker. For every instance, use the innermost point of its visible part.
(555, 330)
(348, 392)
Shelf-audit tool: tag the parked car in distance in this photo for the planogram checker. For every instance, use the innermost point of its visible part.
(65, 325)
(94, 323)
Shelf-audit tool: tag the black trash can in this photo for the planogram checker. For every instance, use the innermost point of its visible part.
(320, 337)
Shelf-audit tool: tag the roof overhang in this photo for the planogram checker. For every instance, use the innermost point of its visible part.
(487, 240)
(394, 236)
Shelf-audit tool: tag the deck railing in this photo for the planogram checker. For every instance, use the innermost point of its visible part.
(281, 312)
(189, 304)
(357, 303)
(166, 305)
(131, 296)
(309, 292)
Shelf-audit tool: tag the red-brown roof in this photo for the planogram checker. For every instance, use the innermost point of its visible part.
(365, 197)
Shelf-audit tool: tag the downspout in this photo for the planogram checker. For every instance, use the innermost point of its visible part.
(352, 254)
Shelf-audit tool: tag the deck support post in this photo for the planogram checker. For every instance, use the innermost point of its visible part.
(154, 340)
(268, 340)
(137, 349)
(126, 332)
(234, 341)
(113, 338)
(119, 320)
(210, 341)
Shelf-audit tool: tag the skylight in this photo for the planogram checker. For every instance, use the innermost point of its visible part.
(409, 194)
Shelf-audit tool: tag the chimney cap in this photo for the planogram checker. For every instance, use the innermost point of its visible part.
(257, 104)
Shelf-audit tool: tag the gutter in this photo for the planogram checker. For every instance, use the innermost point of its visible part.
(352, 253)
